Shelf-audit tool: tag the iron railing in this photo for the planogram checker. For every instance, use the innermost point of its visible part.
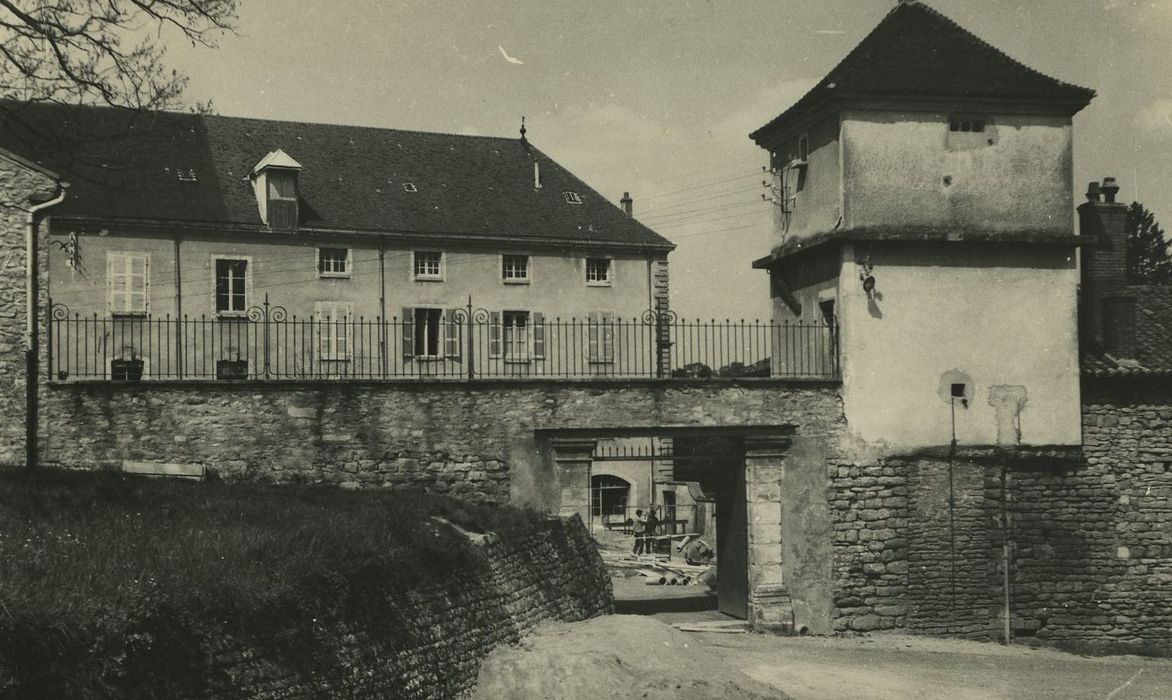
(266, 343)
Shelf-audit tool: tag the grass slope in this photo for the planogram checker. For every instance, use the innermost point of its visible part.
(93, 564)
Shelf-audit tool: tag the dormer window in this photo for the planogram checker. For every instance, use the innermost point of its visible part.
(572, 197)
(275, 182)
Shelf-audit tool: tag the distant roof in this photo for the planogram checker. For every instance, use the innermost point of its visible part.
(916, 52)
(1153, 338)
(165, 166)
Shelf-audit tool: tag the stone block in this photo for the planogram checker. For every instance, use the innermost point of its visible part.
(771, 575)
(764, 554)
(765, 513)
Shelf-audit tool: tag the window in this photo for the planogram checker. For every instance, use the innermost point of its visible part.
(803, 153)
(282, 199)
(428, 265)
(608, 495)
(282, 186)
(333, 262)
(334, 329)
(126, 282)
(572, 197)
(410, 187)
(600, 345)
(231, 285)
(515, 268)
(966, 125)
(517, 336)
(431, 334)
(598, 271)
(428, 333)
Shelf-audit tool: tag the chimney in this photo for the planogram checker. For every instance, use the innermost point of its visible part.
(1104, 258)
(628, 204)
(1107, 310)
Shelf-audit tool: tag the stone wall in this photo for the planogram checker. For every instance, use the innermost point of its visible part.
(368, 641)
(1090, 538)
(20, 184)
(477, 441)
(1093, 564)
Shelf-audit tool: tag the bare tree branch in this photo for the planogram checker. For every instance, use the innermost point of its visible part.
(102, 51)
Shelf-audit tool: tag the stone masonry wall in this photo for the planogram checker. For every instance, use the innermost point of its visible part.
(1090, 540)
(473, 441)
(17, 184)
(1093, 564)
(416, 644)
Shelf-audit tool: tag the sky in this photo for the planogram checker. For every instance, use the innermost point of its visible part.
(658, 97)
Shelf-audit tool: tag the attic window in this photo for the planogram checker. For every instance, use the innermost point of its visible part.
(187, 175)
(572, 197)
(966, 125)
(410, 187)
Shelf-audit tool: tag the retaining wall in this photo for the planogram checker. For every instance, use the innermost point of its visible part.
(366, 639)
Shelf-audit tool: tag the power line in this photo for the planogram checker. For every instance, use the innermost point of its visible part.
(702, 212)
(727, 193)
(698, 186)
(719, 220)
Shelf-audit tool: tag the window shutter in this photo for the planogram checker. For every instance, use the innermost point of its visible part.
(343, 329)
(452, 336)
(538, 321)
(321, 320)
(607, 320)
(494, 334)
(593, 332)
(114, 300)
(408, 332)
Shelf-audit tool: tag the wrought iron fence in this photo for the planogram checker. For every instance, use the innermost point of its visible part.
(267, 343)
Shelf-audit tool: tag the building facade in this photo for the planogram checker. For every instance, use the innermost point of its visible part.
(194, 247)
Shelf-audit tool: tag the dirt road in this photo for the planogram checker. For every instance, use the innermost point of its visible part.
(896, 667)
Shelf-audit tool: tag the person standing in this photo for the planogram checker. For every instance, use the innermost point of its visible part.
(650, 529)
(639, 527)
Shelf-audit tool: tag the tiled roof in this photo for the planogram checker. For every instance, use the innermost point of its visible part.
(1153, 338)
(193, 168)
(916, 52)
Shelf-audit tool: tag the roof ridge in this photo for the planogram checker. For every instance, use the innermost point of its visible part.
(295, 122)
(915, 31)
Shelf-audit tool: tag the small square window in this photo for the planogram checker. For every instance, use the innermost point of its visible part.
(598, 271)
(428, 265)
(572, 197)
(515, 268)
(333, 262)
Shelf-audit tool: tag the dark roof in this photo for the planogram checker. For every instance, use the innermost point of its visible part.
(126, 165)
(1153, 338)
(916, 52)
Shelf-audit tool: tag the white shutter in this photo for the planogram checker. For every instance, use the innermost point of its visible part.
(127, 282)
(593, 333)
(452, 335)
